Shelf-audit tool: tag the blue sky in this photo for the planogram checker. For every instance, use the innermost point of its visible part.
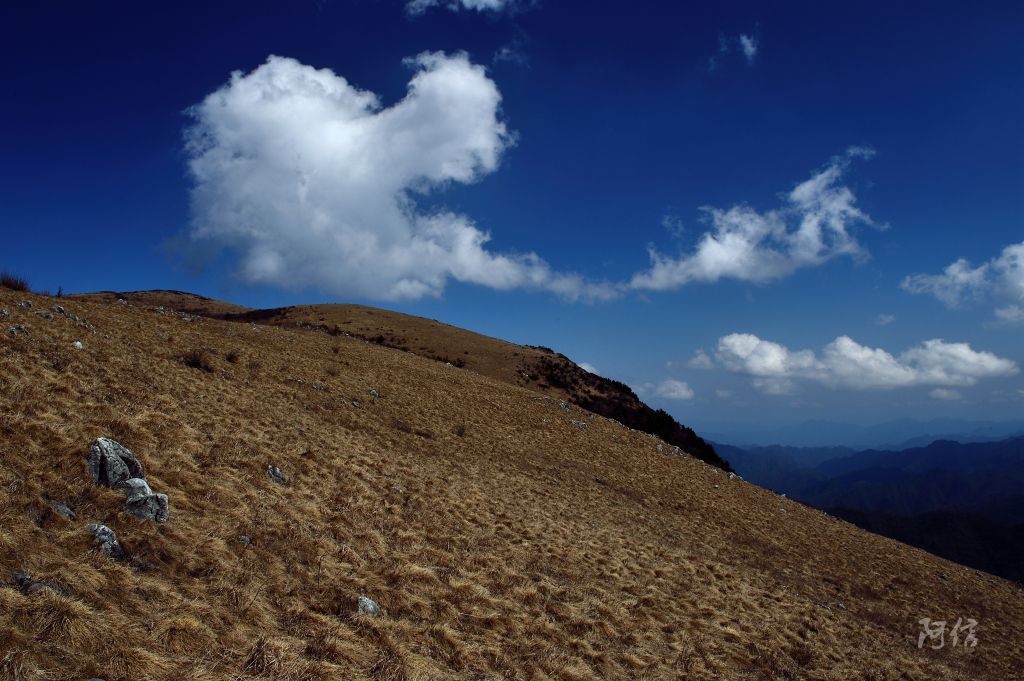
(833, 192)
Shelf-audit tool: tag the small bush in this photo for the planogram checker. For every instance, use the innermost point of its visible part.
(14, 283)
(198, 359)
(459, 430)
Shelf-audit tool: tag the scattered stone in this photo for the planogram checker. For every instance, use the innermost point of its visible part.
(77, 345)
(732, 476)
(72, 316)
(28, 586)
(716, 486)
(45, 315)
(143, 503)
(4, 313)
(275, 474)
(111, 463)
(316, 386)
(58, 309)
(582, 425)
(122, 301)
(840, 606)
(63, 509)
(658, 446)
(19, 330)
(783, 496)
(374, 393)
(367, 606)
(25, 304)
(565, 406)
(105, 540)
(244, 539)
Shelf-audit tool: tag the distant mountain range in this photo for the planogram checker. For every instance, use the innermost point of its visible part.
(963, 501)
(891, 435)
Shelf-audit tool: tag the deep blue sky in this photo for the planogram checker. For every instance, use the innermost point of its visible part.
(620, 122)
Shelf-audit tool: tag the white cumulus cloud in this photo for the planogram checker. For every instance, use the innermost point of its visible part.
(1000, 280)
(310, 181)
(844, 363)
(815, 225)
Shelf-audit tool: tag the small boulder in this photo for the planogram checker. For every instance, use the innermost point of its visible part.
(374, 393)
(105, 540)
(28, 586)
(77, 345)
(275, 474)
(25, 304)
(18, 330)
(58, 309)
(366, 606)
(143, 503)
(111, 463)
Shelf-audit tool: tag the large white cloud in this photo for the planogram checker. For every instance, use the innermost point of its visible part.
(844, 363)
(814, 226)
(415, 7)
(1000, 280)
(311, 181)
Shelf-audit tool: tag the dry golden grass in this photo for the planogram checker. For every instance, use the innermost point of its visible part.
(500, 540)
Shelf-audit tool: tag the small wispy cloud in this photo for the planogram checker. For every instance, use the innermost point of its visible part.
(746, 44)
(417, 7)
(1000, 281)
(945, 394)
(885, 319)
(671, 389)
(814, 225)
(589, 368)
(700, 360)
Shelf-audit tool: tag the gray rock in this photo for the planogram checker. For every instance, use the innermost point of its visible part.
(142, 503)
(374, 393)
(63, 509)
(4, 313)
(58, 309)
(367, 606)
(244, 539)
(28, 586)
(77, 345)
(275, 474)
(45, 315)
(25, 304)
(111, 463)
(18, 330)
(105, 540)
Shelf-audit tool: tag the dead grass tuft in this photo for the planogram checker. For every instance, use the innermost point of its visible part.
(14, 283)
(198, 359)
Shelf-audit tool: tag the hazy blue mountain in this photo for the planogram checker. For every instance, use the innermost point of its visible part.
(897, 434)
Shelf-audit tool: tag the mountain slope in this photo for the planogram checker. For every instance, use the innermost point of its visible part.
(535, 367)
(503, 536)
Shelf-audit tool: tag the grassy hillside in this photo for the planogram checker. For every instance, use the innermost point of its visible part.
(502, 535)
(538, 368)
